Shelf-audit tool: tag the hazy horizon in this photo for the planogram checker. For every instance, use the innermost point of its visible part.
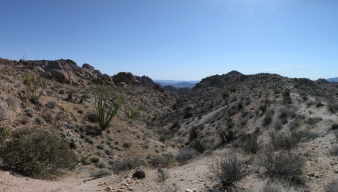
(177, 39)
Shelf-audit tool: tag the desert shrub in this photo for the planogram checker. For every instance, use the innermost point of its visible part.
(273, 187)
(105, 105)
(294, 125)
(34, 85)
(250, 143)
(283, 165)
(268, 118)
(127, 164)
(4, 133)
(319, 104)
(333, 107)
(37, 153)
(285, 114)
(164, 160)
(287, 97)
(228, 171)
(284, 140)
(304, 136)
(197, 145)
(334, 150)
(163, 175)
(228, 134)
(334, 127)
(101, 165)
(313, 120)
(133, 114)
(332, 187)
(94, 159)
(277, 125)
(261, 110)
(185, 155)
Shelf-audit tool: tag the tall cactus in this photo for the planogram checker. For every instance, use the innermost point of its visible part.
(106, 107)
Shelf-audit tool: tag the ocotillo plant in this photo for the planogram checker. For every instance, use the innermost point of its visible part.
(106, 107)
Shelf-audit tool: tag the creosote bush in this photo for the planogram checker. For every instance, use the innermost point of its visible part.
(284, 140)
(333, 107)
(228, 171)
(268, 118)
(185, 155)
(283, 165)
(250, 143)
(37, 153)
(105, 105)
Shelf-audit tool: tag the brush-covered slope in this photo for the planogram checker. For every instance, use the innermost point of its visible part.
(66, 104)
(223, 109)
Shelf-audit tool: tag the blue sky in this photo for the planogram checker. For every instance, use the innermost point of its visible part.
(177, 39)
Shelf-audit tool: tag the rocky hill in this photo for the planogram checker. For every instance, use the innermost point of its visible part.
(174, 135)
(66, 103)
(245, 104)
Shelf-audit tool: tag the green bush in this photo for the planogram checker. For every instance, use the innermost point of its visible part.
(37, 153)
(105, 105)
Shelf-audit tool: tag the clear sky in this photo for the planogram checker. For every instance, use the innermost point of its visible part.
(177, 39)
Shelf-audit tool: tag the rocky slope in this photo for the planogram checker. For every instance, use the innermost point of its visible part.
(242, 104)
(183, 130)
(67, 105)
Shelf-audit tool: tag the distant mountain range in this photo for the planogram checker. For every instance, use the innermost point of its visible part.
(177, 84)
(333, 80)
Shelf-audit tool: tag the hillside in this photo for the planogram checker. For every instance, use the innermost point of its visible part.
(173, 136)
(65, 103)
